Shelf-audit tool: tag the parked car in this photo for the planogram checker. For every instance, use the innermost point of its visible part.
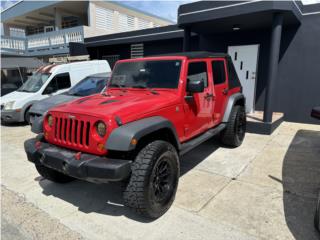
(316, 114)
(88, 86)
(154, 110)
(46, 81)
(8, 88)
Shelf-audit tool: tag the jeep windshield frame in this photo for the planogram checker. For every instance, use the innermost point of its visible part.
(147, 74)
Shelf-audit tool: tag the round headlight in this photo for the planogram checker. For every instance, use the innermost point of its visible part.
(50, 120)
(101, 129)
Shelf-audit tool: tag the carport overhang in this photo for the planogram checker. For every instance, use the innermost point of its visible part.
(210, 18)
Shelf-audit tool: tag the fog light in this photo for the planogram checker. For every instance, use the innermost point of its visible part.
(46, 134)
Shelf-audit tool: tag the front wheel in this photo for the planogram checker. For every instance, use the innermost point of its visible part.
(235, 131)
(27, 116)
(154, 179)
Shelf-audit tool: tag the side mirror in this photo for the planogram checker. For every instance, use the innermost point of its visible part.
(49, 90)
(195, 86)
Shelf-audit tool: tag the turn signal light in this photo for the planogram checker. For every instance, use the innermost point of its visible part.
(100, 146)
(134, 141)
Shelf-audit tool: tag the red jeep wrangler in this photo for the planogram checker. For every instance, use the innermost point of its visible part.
(155, 110)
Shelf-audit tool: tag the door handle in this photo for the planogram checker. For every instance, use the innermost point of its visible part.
(225, 91)
(208, 96)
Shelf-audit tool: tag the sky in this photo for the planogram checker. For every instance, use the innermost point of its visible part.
(166, 9)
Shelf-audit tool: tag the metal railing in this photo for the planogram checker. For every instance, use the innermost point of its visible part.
(43, 43)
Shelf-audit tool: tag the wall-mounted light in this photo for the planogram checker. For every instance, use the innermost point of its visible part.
(236, 27)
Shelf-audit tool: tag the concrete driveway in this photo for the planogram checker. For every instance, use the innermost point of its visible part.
(265, 189)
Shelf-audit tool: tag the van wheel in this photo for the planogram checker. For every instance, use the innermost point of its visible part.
(154, 180)
(53, 175)
(234, 133)
(27, 116)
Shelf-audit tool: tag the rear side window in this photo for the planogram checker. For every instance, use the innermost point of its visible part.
(219, 74)
(233, 77)
(198, 71)
(63, 81)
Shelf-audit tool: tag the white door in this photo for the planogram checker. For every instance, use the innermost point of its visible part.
(245, 60)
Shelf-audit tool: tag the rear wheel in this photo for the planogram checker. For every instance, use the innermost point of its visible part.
(53, 175)
(235, 131)
(154, 179)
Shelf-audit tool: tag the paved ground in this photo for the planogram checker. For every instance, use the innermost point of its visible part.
(265, 189)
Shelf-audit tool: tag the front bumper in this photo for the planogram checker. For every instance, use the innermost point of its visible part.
(10, 116)
(89, 167)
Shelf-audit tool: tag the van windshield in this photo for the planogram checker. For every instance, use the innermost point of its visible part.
(34, 82)
(146, 74)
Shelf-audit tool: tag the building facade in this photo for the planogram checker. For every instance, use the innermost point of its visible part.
(45, 28)
(274, 45)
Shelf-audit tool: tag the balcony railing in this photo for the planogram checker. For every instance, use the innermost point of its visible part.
(55, 42)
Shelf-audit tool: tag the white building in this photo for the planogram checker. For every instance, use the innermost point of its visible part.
(45, 28)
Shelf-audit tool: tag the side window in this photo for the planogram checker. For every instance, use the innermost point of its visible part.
(198, 71)
(51, 87)
(63, 81)
(233, 77)
(219, 75)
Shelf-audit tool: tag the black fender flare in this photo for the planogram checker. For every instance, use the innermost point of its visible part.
(120, 138)
(231, 102)
(37, 125)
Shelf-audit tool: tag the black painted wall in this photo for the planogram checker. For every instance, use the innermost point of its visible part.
(298, 86)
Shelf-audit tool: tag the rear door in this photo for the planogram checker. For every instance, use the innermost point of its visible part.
(220, 81)
(199, 108)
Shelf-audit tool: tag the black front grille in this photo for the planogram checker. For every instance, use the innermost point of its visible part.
(72, 131)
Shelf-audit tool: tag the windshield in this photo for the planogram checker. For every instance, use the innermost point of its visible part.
(88, 86)
(146, 74)
(34, 82)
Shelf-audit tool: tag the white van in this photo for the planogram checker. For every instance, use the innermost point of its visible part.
(47, 81)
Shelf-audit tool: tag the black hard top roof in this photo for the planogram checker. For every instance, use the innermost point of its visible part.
(195, 54)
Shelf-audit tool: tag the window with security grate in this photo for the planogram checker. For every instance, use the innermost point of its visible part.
(137, 50)
(104, 18)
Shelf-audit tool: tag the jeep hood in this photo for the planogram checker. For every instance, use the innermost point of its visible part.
(44, 105)
(129, 106)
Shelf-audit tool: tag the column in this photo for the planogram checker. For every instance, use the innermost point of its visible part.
(273, 65)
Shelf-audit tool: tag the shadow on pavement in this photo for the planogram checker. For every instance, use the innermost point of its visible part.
(107, 198)
(20, 124)
(301, 183)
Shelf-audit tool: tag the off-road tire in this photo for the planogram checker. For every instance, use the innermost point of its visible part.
(139, 194)
(53, 175)
(230, 136)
